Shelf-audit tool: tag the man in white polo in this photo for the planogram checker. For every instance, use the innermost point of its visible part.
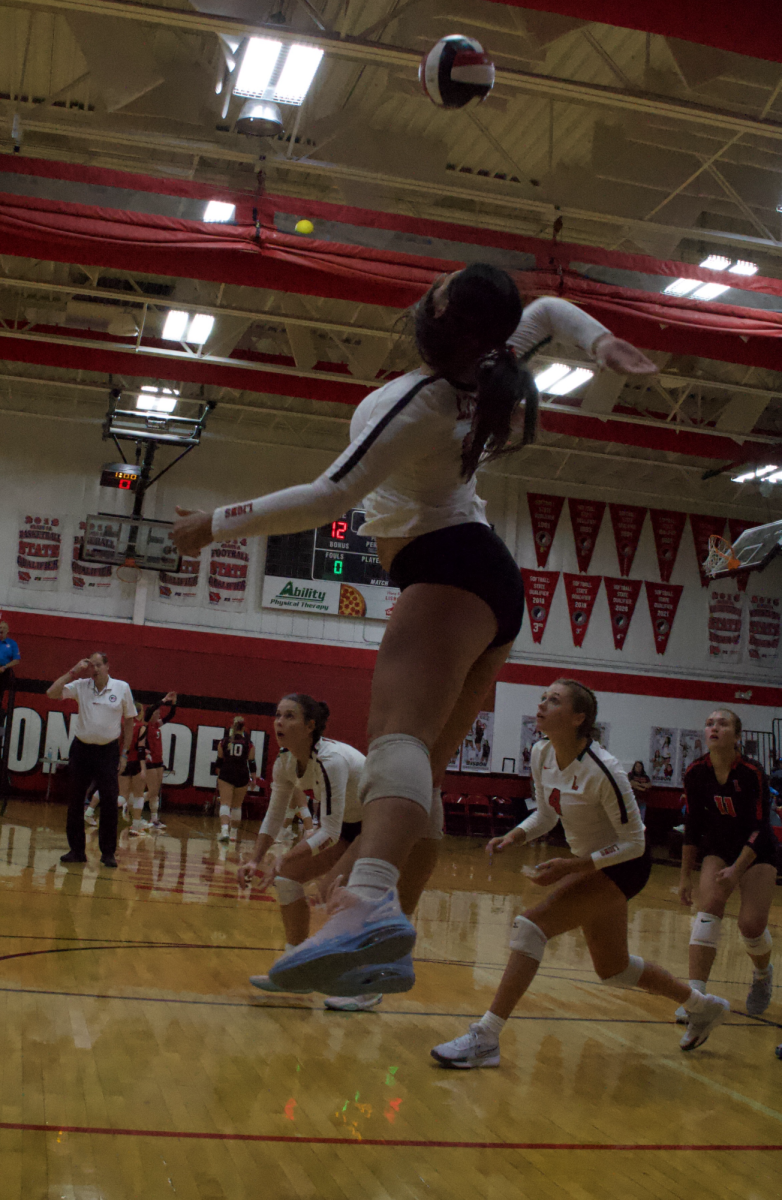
(102, 733)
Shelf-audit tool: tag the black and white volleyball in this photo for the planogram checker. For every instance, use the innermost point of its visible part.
(456, 72)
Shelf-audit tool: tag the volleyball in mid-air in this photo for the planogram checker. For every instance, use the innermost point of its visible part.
(456, 72)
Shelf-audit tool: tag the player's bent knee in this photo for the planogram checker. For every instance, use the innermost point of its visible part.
(528, 938)
(706, 930)
(397, 764)
(225, 812)
(288, 890)
(756, 946)
(629, 977)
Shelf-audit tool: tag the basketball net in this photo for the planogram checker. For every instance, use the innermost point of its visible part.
(720, 556)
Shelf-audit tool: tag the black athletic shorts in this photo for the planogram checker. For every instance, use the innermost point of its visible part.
(765, 848)
(631, 876)
(235, 779)
(350, 831)
(471, 557)
(131, 769)
(155, 766)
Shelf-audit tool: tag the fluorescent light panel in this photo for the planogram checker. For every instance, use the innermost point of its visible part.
(709, 291)
(297, 74)
(744, 268)
(767, 472)
(716, 262)
(550, 376)
(571, 382)
(200, 328)
(152, 399)
(257, 68)
(681, 287)
(175, 325)
(219, 210)
(295, 65)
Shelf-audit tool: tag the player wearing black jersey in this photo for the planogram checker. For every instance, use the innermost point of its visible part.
(728, 820)
(235, 764)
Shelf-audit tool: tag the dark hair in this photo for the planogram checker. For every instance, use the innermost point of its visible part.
(314, 710)
(583, 700)
(103, 655)
(467, 345)
(635, 764)
(737, 726)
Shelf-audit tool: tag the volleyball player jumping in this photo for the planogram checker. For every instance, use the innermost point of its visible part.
(581, 784)
(416, 445)
(728, 809)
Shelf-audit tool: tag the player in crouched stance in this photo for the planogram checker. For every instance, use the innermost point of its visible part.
(575, 779)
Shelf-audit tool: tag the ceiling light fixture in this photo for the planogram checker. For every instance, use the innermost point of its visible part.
(742, 267)
(180, 327)
(559, 379)
(153, 399)
(175, 326)
(716, 262)
(200, 328)
(260, 118)
(681, 287)
(219, 210)
(766, 473)
(709, 291)
(273, 70)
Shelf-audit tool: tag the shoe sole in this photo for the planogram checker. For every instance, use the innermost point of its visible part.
(455, 1065)
(275, 991)
(323, 973)
(352, 1008)
(715, 1023)
(386, 978)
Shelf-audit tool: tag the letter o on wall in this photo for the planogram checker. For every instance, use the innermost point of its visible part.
(25, 748)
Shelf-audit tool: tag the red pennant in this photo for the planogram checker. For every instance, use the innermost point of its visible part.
(544, 514)
(735, 528)
(622, 598)
(539, 588)
(663, 602)
(581, 591)
(702, 529)
(585, 517)
(627, 520)
(668, 527)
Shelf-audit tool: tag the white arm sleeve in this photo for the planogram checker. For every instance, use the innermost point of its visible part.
(282, 790)
(544, 818)
(618, 800)
(550, 318)
(332, 807)
(397, 436)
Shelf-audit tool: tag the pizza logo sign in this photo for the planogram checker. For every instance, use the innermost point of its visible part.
(351, 602)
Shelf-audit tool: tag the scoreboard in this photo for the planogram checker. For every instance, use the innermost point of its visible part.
(336, 553)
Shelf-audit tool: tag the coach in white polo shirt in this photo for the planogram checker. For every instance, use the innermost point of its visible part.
(102, 733)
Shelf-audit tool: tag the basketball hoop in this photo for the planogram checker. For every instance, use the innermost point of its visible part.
(128, 573)
(720, 556)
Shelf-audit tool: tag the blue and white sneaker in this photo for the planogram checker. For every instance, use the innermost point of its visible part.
(363, 933)
(376, 977)
(265, 984)
(478, 1048)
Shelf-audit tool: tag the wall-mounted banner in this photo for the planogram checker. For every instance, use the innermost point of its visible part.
(476, 747)
(182, 588)
(328, 598)
(539, 588)
(735, 528)
(691, 748)
(667, 527)
(544, 513)
(38, 553)
(702, 529)
(726, 619)
(622, 598)
(627, 520)
(94, 578)
(663, 601)
(529, 736)
(763, 641)
(585, 517)
(663, 755)
(228, 566)
(581, 592)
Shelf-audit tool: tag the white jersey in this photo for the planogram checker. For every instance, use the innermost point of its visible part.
(593, 797)
(405, 455)
(332, 775)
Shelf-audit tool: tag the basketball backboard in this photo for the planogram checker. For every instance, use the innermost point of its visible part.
(130, 541)
(753, 550)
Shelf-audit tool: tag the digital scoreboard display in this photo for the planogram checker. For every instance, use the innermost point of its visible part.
(334, 552)
(124, 476)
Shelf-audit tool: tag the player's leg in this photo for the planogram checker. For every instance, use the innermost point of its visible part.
(93, 799)
(154, 784)
(225, 791)
(707, 923)
(236, 811)
(124, 794)
(137, 787)
(757, 892)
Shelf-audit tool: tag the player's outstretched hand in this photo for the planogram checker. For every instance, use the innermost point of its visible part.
(169, 698)
(496, 845)
(621, 356)
(192, 531)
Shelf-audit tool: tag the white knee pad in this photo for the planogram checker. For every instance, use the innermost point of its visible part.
(225, 813)
(759, 945)
(527, 938)
(706, 930)
(629, 977)
(236, 814)
(436, 817)
(397, 764)
(288, 890)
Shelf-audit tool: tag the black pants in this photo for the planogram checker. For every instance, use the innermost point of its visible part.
(99, 765)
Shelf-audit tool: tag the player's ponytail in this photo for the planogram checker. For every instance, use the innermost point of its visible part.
(583, 700)
(316, 711)
(237, 727)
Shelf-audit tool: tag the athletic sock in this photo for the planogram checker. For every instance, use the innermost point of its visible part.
(89, 811)
(137, 823)
(372, 877)
(698, 985)
(694, 1002)
(492, 1023)
(761, 972)
(223, 831)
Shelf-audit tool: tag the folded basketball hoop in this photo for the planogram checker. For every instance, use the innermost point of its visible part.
(720, 556)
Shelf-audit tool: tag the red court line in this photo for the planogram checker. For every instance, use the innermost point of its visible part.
(385, 1142)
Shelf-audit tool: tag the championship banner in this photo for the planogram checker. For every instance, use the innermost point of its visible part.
(476, 747)
(668, 527)
(622, 598)
(764, 629)
(539, 588)
(38, 553)
(726, 619)
(585, 517)
(544, 513)
(228, 566)
(627, 520)
(181, 588)
(581, 592)
(735, 528)
(663, 602)
(97, 578)
(702, 529)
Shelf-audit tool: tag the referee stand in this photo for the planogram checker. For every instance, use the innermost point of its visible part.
(7, 704)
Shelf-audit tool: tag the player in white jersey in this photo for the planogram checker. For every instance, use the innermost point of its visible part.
(579, 783)
(416, 445)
